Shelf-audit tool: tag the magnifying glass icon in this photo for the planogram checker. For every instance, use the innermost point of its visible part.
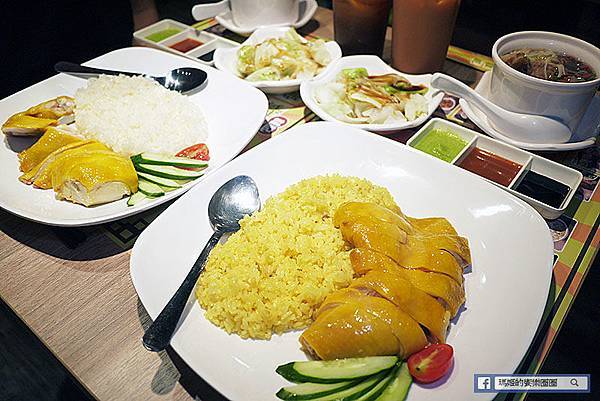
(574, 382)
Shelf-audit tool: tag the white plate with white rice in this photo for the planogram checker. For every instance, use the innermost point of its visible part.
(321, 96)
(422, 186)
(225, 114)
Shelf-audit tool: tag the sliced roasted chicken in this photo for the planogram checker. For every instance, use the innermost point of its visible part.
(350, 211)
(438, 285)
(53, 139)
(366, 232)
(43, 178)
(31, 174)
(422, 307)
(37, 119)
(370, 326)
(92, 177)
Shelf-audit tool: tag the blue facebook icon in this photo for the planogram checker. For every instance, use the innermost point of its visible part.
(484, 383)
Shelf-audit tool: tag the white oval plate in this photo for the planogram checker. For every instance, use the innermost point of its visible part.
(226, 60)
(232, 122)
(374, 66)
(506, 290)
(306, 12)
(584, 137)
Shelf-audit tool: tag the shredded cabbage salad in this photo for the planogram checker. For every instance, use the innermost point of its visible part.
(288, 57)
(359, 98)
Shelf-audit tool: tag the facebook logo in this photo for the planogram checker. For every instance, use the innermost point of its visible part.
(484, 383)
(526, 383)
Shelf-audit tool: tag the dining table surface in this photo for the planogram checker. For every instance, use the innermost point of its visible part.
(72, 288)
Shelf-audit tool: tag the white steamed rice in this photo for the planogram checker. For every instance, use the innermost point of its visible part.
(135, 114)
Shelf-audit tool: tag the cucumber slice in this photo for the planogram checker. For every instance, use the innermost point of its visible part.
(170, 172)
(398, 388)
(149, 189)
(161, 181)
(162, 160)
(337, 370)
(355, 392)
(308, 391)
(374, 392)
(136, 198)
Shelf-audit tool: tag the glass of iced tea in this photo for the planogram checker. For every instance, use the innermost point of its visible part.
(421, 33)
(360, 25)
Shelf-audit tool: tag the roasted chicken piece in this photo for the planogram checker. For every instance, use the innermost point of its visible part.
(37, 119)
(374, 234)
(446, 236)
(423, 253)
(370, 326)
(30, 175)
(349, 211)
(440, 286)
(92, 177)
(43, 177)
(410, 275)
(85, 172)
(53, 139)
(23, 125)
(422, 307)
(430, 243)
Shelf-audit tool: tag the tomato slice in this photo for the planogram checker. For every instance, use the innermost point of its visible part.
(198, 151)
(431, 363)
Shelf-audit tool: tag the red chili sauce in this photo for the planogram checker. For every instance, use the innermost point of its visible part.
(186, 45)
(490, 166)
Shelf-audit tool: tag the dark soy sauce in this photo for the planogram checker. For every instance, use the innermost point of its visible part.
(543, 189)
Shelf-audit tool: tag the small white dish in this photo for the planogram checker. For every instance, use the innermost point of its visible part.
(583, 137)
(232, 122)
(492, 220)
(306, 11)
(528, 161)
(375, 66)
(203, 53)
(226, 60)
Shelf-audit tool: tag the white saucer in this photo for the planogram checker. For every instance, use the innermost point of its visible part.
(584, 137)
(307, 10)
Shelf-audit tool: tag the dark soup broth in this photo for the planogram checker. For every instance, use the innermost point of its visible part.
(549, 65)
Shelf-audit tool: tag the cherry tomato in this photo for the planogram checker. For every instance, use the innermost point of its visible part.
(431, 363)
(198, 152)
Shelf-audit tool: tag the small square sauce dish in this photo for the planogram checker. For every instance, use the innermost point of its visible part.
(183, 40)
(546, 185)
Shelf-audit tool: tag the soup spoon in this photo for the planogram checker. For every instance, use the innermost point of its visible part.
(521, 127)
(180, 79)
(235, 199)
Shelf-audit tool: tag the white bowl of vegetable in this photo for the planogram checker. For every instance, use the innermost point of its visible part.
(365, 92)
(278, 59)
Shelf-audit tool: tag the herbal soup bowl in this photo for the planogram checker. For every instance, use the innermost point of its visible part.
(519, 92)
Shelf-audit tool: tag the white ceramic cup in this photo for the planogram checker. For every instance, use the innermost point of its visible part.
(250, 14)
(522, 93)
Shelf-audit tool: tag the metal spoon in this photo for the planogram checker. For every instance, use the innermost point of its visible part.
(521, 127)
(179, 79)
(235, 199)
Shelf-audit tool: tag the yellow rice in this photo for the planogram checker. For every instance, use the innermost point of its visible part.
(271, 275)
